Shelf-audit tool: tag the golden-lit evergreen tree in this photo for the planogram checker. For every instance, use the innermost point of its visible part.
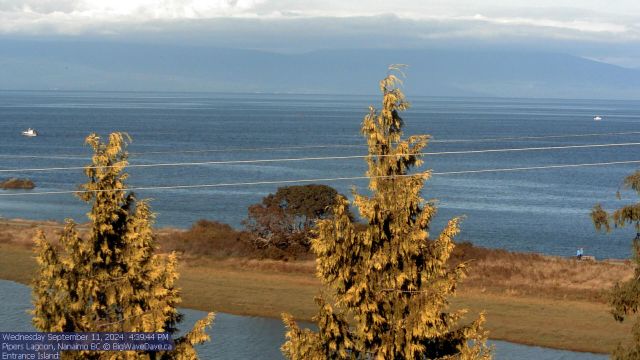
(625, 297)
(388, 281)
(110, 279)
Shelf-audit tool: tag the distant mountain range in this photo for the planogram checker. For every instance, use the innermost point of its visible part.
(48, 65)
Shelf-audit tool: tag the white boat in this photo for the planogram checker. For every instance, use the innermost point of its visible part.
(597, 118)
(30, 132)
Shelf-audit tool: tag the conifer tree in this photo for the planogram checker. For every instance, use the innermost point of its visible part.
(388, 281)
(110, 279)
(625, 297)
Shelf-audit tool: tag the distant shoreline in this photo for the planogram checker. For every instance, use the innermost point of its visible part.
(371, 96)
(54, 224)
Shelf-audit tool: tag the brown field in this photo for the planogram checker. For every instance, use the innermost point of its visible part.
(552, 277)
(528, 298)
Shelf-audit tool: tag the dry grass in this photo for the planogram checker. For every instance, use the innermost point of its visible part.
(252, 288)
(248, 264)
(561, 324)
(499, 271)
(528, 298)
(16, 263)
(490, 270)
(248, 292)
(206, 238)
(21, 232)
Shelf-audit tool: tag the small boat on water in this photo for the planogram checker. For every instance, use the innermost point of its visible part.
(30, 132)
(597, 118)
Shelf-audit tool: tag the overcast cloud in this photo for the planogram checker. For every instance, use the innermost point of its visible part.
(619, 19)
(606, 31)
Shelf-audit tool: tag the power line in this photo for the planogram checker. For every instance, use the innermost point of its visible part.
(536, 137)
(529, 149)
(230, 162)
(54, 157)
(327, 146)
(273, 182)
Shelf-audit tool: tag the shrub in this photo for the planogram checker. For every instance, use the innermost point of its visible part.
(210, 238)
(284, 220)
(17, 183)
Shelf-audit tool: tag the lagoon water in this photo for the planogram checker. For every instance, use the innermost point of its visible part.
(241, 337)
(543, 211)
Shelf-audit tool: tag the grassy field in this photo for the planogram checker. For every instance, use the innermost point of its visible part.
(529, 299)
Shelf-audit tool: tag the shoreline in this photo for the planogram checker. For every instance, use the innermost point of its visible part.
(490, 338)
(55, 224)
(529, 299)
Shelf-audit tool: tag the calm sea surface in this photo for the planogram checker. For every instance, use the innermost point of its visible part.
(543, 211)
(242, 337)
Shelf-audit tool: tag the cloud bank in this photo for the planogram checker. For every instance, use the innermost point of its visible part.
(588, 28)
(590, 20)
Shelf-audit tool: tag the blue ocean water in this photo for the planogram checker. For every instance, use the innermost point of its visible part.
(543, 211)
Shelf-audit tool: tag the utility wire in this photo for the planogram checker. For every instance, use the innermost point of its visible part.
(54, 157)
(328, 179)
(535, 137)
(301, 147)
(230, 162)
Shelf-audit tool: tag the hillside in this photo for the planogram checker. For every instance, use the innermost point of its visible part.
(32, 65)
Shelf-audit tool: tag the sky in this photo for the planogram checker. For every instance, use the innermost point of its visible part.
(606, 31)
